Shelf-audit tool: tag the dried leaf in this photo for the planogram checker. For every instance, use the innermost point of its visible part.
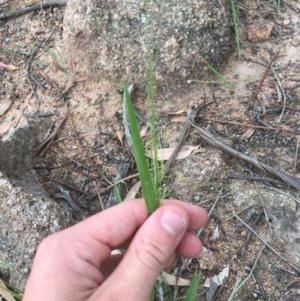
(179, 118)
(4, 127)
(132, 193)
(247, 134)
(179, 112)
(199, 151)
(5, 105)
(8, 67)
(17, 119)
(215, 283)
(143, 131)
(5, 293)
(173, 280)
(164, 154)
(120, 135)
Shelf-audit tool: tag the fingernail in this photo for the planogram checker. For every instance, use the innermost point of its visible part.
(173, 222)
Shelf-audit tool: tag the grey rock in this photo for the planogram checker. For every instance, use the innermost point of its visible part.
(282, 212)
(196, 172)
(110, 39)
(27, 214)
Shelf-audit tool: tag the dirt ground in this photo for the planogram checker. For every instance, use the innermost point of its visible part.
(256, 111)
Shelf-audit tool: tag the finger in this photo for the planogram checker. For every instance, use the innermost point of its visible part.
(95, 237)
(197, 215)
(115, 226)
(72, 258)
(110, 264)
(190, 246)
(152, 247)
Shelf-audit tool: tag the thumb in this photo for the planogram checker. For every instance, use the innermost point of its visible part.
(152, 247)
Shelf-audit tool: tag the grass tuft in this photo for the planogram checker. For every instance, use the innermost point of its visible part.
(236, 27)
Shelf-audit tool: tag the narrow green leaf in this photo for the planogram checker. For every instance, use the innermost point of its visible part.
(192, 291)
(152, 296)
(151, 200)
(224, 81)
(236, 27)
(157, 167)
(57, 57)
(238, 286)
(117, 193)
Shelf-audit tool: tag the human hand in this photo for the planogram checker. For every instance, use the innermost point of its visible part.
(76, 264)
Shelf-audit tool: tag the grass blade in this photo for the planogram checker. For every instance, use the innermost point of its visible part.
(224, 82)
(157, 167)
(117, 193)
(240, 285)
(192, 291)
(236, 27)
(149, 194)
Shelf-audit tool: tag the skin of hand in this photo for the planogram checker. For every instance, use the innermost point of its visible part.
(76, 264)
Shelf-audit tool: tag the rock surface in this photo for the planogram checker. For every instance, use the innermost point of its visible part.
(27, 214)
(282, 212)
(112, 39)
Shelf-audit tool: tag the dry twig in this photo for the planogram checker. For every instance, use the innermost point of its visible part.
(249, 235)
(28, 67)
(192, 113)
(254, 96)
(281, 90)
(2, 3)
(41, 149)
(297, 270)
(296, 155)
(69, 186)
(111, 186)
(75, 130)
(249, 125)
(212, 141)
(263, 206)
(28, 9)
(69, 203)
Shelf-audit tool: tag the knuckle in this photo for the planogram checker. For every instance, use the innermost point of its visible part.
(151, 254)
(48, 244)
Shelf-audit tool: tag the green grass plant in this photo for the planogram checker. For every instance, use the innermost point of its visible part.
(10, 290)
(191, 294)
(58, 60)
(276, 4)
(157, 166)
(223, 81)
(239, 284)
(150, 172)
(236, 27)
